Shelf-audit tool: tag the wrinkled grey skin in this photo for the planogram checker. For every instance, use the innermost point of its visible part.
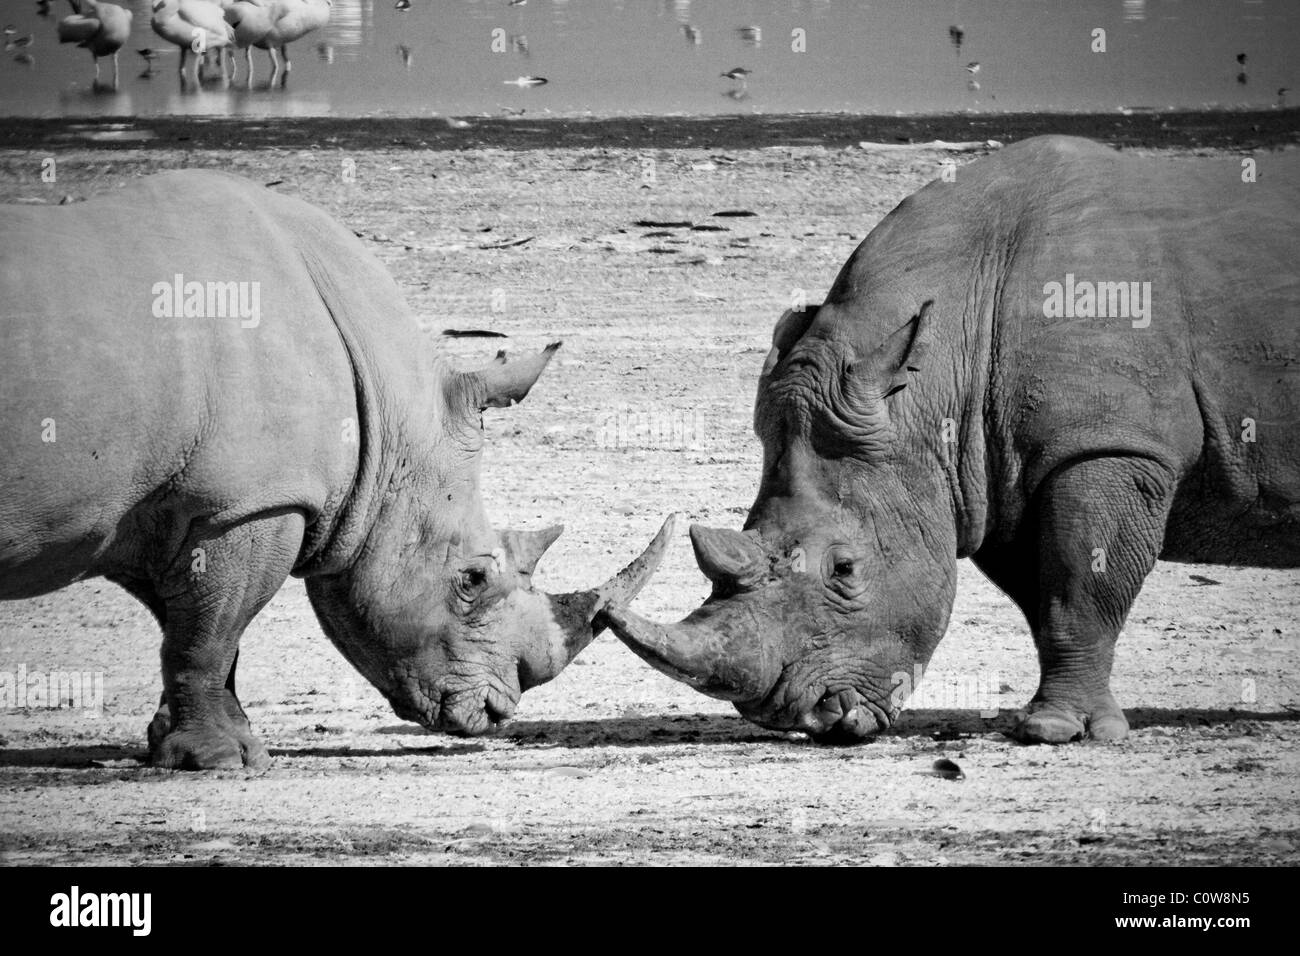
(929, 411)
(199, 461)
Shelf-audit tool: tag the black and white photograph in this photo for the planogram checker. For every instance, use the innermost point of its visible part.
(651, 433)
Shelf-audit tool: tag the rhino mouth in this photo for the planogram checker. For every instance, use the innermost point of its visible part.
(468, 712)
(474, 713)
(844, 716)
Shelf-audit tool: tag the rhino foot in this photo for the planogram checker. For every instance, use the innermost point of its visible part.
(1046, 722)
(209, 748)
(161, 724)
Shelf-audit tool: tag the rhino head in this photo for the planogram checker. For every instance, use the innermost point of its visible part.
(830, 601)
(438, 610)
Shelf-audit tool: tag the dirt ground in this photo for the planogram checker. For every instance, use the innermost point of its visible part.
(645, 412)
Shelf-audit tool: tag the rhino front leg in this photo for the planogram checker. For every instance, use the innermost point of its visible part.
(1100, 526)
(161, 725)
(219, 586)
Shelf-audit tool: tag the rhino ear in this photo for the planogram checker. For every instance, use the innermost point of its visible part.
(527, 547)
(504, 382)
(789, 330)
(889, 368)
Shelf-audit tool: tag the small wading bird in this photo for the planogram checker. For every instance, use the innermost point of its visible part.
(526, 81)
(149, 55)
(402, 5)
(973, 66)
(956, 34)
(693, 35)
(102, 28)
(182, 22)
(739, 74)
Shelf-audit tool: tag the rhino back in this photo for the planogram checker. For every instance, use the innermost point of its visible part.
(1223, 343)
(121, 428)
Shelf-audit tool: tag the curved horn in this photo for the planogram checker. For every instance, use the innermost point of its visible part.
(728, 557)
(717, 659)
(575, 615)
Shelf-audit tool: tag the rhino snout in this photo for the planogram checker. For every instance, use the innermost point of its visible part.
(843, 716)
(475, 712)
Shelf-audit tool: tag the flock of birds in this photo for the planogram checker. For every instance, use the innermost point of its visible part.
(212, 30)
(215, 29)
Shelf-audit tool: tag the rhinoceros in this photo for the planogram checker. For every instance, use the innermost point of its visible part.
(1064, 364)
(207, 387)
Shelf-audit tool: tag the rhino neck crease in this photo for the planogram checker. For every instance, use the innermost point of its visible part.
(392, 384)
(939, 422)
(949, 467)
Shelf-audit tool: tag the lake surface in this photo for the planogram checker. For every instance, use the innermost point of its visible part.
(613, 57)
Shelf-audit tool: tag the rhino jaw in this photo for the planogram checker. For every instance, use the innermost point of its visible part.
(576, 617)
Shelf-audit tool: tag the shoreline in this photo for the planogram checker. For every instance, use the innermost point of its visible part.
(1217, 129)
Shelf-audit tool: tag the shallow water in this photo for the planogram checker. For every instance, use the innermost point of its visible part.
(665, 56)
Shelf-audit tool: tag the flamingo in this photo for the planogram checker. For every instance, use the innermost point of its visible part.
(183, 21)
(251, 20)
(101, 28)
(291, 20)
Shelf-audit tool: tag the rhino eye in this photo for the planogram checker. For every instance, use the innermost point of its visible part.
(471, 582)
(844, 571)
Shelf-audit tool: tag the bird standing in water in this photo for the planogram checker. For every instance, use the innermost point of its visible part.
(291, 20)
(251, 21)
(102, 28)
(182, 22)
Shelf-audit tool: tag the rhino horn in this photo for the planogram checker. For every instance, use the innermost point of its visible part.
(729, 558)
(722, 661)
(577, 615)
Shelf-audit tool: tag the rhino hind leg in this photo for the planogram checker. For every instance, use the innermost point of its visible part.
(221, 582)
(1099, 523)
